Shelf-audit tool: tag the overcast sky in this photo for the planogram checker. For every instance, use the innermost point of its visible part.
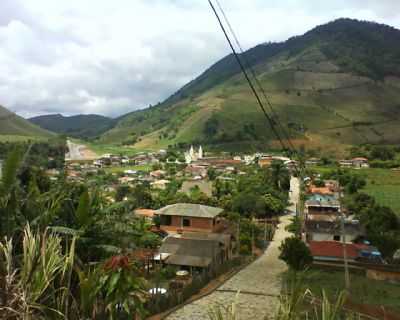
(114, 56)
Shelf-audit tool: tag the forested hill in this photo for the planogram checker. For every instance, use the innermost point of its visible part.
(14, 125)
(334, 86)
(79, 126)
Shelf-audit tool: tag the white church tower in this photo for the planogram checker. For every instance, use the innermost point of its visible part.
(200, 154)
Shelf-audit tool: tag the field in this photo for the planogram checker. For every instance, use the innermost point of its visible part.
(146, 168)
(384, 185)
(101, 149)
(362, 290)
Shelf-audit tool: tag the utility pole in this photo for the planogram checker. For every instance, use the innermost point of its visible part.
(238, 236)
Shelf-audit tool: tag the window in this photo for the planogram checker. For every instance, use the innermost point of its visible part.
(186, 222)
(166, 220)
(336, 238)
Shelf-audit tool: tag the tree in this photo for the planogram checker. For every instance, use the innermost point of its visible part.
(211, 173)
(211, 127)
(122, 192)
(280, 175)
(383, 153)
(295, 253)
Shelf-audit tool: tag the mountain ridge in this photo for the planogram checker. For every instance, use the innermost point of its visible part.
(336, 85)
(78, 126)
(13, 125)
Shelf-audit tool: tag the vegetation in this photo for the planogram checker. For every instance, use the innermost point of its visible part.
(381, 223)
(371, 292)
(15, 127)
(79, 126)
(58, 237)
(296, 254)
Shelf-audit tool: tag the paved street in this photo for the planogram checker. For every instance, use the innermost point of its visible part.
(259, 283)
(78, 152)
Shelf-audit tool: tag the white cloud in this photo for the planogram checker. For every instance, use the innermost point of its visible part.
(111, 57)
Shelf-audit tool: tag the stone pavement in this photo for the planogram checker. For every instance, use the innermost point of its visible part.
(259, 283)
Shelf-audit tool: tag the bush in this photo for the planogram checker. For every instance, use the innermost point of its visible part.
(296, 254)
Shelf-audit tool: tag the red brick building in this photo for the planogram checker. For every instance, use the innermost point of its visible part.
(186, 217)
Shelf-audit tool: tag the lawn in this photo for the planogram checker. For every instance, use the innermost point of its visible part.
(362, 290)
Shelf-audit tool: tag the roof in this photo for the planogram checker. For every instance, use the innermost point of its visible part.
(359, 159)
(321, 190)
(190, 252)
(189, 210)
(322, 200)
(222, 238)
(149, 213)
(334, 249)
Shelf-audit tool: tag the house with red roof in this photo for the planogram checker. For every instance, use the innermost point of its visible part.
(333, 251)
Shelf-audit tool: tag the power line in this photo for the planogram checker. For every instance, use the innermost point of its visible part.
(258, 83)
(270, 121)
(246, 75)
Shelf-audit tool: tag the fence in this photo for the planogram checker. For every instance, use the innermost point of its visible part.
(160, 303)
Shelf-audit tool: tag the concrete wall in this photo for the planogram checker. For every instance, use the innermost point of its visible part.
(327, 237)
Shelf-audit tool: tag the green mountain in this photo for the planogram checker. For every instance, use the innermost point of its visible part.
(336, 85)
(79, 126)
(15, 127)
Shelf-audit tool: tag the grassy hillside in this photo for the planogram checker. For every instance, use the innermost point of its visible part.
(16, 128)
(328, 87)
(79, 126)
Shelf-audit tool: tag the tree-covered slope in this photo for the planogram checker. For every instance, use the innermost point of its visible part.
(14, 125)
(79, 126)
(336, 85)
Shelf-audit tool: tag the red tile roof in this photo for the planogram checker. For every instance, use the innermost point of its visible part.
(334, 249)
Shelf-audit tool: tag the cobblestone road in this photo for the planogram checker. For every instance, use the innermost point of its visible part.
(259, 283)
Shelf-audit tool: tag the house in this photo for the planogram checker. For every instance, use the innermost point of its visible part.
(185, 217)
(313, 162)
(360, 162)
(193, 254)
(317, 230)
(331, 251)
(346, 163)
(158, 174)
(265, 161)
(196, 170)
(160, 184)
(225, 240)
(320, 190)
(319, 204)
(125, 180)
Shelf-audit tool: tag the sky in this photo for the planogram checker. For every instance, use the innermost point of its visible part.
(111, 57)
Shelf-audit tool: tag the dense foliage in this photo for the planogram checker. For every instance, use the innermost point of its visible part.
(295, 253)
